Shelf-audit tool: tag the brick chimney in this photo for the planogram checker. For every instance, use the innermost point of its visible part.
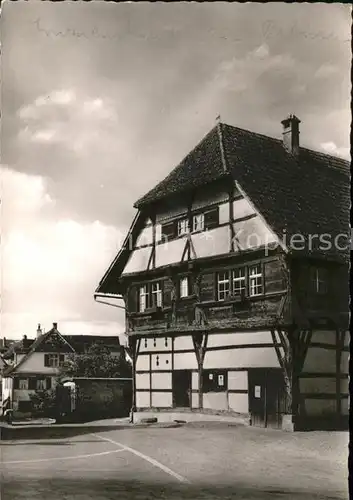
(291, 134)
(39, 330)
(55, 326)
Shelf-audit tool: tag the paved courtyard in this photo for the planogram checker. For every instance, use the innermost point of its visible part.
(192, 462)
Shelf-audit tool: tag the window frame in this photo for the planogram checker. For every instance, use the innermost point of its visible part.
(38, 384)
(256, 276)
(225, 273)
(180, 222)
(184, 279)
(315, 275)
(195, 221)
(26, 388)
(153, 297)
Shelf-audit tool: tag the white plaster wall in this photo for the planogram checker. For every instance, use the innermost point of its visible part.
(6, 388)
(194, 400)
(170, 252)
(324, 337)
(160, 344)
(251, 233)
(320, 360)
(320, 407)
(318, 385)
(223, 339)
(242, 208)
(142, 399)
(238, 380)
(142, 381)
(347, 339)
(35, 364)
(143, 362)
(238, 402)
(162, 380)
(195, 380)
(165, 361)
(185, 361)
(162, 399)
(183, 342)
(145, 237)
(224, 213)
(138, 260)
(213, 242)
(242, 358)
(215, 400)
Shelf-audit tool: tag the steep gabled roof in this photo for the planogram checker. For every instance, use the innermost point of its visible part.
(308, 193)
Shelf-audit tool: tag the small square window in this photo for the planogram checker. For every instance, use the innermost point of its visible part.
(184, 287)
(183, 226)
(255, 280)
(223, 286)
(198, 222)
(23, 384)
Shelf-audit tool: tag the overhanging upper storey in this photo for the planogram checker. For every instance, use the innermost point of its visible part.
(239, 191)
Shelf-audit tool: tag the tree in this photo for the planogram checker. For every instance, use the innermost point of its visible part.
(43, 402)
(96, 362)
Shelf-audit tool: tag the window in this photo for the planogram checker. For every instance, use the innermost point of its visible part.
(41, 385)
(183, 226)
(214, 380)
(184, 287)
(255, 280)
(23, 384)
(54, 360)
(239, 281)
(319, 280)
(156, 295)
(198, 222)
(223, 286)
(150, 296)
(143, 298)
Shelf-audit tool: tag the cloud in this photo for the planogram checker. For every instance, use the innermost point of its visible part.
(332, 149)
(326, 70)
(52, 265)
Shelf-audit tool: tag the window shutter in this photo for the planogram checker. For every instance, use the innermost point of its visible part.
(167, 292)
(132, 299)
(46, 359)
(207, 286)
(16, 383)
(32, 383)
(168, 231)
(61, 359)
(212, 218)
(48, 383)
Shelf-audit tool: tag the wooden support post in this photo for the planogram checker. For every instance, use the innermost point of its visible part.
(200, 343)
(285, 363)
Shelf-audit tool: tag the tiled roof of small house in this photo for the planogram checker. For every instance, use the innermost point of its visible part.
(307, 193)
(81, 343)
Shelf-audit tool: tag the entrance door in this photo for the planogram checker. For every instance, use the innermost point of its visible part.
(181, 380)
(266, 391)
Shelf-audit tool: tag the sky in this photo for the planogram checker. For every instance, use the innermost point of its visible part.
(101, 100)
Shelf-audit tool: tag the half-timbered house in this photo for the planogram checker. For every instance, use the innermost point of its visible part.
(235, 280)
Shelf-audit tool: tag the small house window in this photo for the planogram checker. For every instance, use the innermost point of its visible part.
(143, 298)
(198, 222)
(239, 281)
(150, 296)
(23, 384)
(54, 360)
(156, 295)
(223, 285)
(41, 385)
(183, 226)
(184, 287)
(255, 280)
(319, 280)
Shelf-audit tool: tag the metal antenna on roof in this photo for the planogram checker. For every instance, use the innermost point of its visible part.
(218, 118)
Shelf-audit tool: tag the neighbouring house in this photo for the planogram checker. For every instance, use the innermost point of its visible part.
(235, 277)
(34, 364)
